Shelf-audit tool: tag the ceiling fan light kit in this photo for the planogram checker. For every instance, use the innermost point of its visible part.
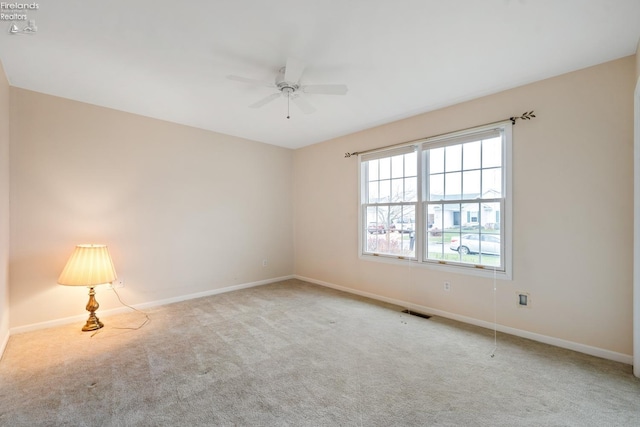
(287, 83)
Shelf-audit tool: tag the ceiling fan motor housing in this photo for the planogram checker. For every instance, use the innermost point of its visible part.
(287, 88)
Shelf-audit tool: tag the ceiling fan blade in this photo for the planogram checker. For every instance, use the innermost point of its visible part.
(250, 81)
(265, 101)
(326, 89)
(293, 70)
(303, 105)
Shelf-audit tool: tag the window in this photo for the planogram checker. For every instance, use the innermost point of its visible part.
(442, 201)
(390, 200)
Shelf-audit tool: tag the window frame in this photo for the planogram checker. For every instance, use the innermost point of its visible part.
(421, 219)
(365, 202)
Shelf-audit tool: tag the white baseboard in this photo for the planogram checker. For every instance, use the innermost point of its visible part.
(570, 345)
(209, 293)
(141, 306)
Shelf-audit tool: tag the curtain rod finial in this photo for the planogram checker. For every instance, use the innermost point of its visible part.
(525, 116)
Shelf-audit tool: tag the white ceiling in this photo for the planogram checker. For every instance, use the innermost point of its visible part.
(170, 59)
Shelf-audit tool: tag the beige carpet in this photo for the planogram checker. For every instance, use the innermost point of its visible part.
(297, 354)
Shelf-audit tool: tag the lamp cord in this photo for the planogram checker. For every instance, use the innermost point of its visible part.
(147, 318)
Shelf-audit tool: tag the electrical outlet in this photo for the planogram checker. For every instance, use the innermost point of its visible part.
(264, 262)
(524, 299)
(447, 286)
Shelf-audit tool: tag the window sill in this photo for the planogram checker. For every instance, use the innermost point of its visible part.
(450, 268)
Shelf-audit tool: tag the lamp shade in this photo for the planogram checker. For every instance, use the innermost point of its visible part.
(89, 265)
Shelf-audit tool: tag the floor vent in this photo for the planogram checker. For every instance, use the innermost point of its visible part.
(413, 313)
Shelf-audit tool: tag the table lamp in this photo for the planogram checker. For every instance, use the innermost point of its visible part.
(89, 265)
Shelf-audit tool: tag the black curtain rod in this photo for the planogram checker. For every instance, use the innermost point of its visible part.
(527, 115)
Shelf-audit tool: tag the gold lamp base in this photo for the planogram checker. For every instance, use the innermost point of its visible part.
(93, 322)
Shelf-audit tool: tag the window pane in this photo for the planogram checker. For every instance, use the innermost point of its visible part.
(373, 192)
(468, 233)
(373, 227)
(491, 218)
(372, 216)
(443, 231)
(467, 247)
(397, 166)
(385, 168)
(385, 190)
(403, 240)
(377, 214)
(492, 183)
(397, 190)
(471, 184)
(453, 185)
(471, 155)
(452, 216)
(410, 189)
(436, 160)
(452, 231)
(395, 213)
(411, 164)
(409, 218)
(435, 213)
(390, 230)
(434, 217)
(490, 248)
(377, 219)
(436, 187)
(434, 233)
(492, 152)
(373, 169)
(471, 216)
(453, 158)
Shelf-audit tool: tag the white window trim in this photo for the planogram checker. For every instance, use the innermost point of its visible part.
(507, 219)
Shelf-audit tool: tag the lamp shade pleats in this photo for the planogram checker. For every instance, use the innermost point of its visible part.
(89, 265)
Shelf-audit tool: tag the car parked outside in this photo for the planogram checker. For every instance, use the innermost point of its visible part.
(376, 228)
(404, 225)
(476, 243)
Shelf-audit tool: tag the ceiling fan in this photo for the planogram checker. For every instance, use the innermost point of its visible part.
(287, 84)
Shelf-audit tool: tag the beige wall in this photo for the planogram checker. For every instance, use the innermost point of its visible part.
(573, 211)
(183, 210)
(4, 209)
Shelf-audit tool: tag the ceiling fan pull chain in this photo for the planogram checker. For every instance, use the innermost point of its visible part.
(288, 105)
